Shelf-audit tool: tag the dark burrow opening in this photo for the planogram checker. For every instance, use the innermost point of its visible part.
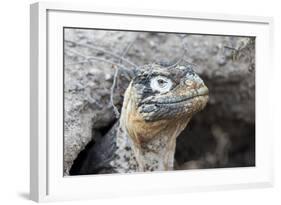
(98, 134)
(225, 143)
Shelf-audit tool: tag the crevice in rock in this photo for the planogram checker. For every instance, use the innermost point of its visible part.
(98, 134)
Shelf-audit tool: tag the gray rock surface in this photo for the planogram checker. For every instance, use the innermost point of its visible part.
(226, 63)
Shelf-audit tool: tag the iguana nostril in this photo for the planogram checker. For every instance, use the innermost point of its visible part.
(189, 83)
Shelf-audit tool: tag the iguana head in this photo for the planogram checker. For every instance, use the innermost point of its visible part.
(159, 96)
(161, 92)
(158, 104)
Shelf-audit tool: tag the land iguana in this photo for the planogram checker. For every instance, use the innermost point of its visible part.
(158, 104)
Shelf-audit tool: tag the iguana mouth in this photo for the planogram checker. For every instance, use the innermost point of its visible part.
(184, 99)
(201, 92)
(174, 105)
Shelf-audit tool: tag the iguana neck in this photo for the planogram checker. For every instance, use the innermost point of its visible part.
(158, 153)
(155, 155)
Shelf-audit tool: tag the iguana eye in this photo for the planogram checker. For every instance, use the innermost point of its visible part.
(161, 84)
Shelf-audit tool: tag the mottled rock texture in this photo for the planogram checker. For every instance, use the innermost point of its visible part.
(223, 135)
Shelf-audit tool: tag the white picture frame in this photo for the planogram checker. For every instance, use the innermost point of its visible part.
(47, 182)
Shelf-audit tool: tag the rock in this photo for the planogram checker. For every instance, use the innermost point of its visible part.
(226, 64)
(87, 106)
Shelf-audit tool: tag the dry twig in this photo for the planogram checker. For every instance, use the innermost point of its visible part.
(90, 58)
(126, 50)
(117, 114)
(101, 50)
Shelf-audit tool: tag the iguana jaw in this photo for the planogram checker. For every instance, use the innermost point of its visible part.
(172, 106)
